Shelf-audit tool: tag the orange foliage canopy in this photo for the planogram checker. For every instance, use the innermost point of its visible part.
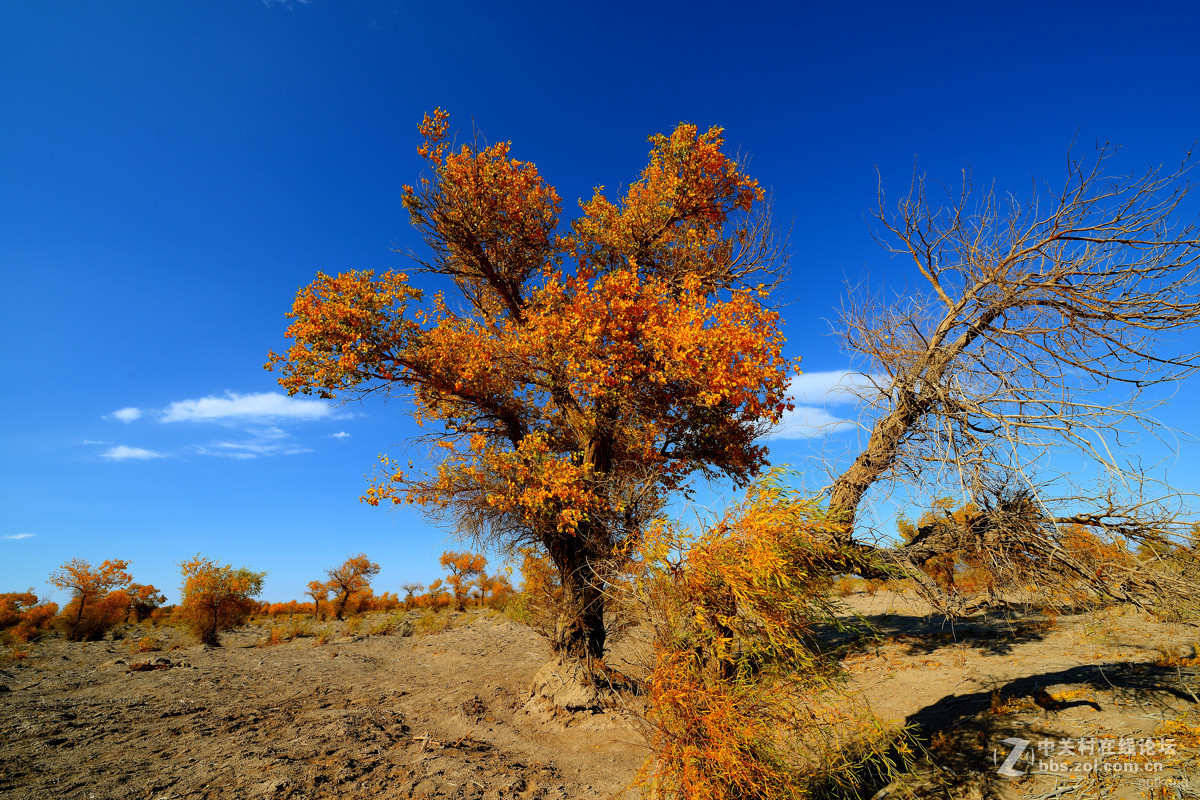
(88, 582)
(352, 577)
(22, 617)
(582, 375)
(97, 602)
(463, 567)
(217, 596)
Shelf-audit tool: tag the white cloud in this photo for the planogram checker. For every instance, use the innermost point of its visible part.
(95, 441)
(339, 435)
(234, 406)
(20, 536)
(124, 453)
(833, 386)
(285, 3)
(812, 392)
(126, 415)
(263, 442)
(806, 422)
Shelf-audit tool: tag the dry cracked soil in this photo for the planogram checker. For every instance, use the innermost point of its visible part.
(439, 716)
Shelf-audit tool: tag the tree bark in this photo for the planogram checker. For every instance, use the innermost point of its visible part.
(876, 459)
(580, 632)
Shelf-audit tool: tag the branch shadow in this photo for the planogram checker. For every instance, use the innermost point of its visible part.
(991, 633)
(977, 735)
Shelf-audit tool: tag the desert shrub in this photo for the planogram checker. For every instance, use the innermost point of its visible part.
(291, 608)
(143, 601)
(391, 625)
(431, 622)
(388, 601)
(97, 601)
(22, 618)
(300, 627)
(495, 590)
(741, 702)
(436, 597)
(277, 635)
(16, 651)
(844, 587)
(147, 644)
(517, 609)
(216, 597)
(162, 616)
(411, 590)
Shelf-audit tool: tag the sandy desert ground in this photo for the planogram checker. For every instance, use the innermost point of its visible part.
(448, 715)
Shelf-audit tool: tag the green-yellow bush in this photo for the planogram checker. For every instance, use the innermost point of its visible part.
(741, 703)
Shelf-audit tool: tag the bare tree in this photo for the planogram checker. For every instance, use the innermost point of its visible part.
(1041, 325)
(410, 591)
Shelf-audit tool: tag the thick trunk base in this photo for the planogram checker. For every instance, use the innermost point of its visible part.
(566, 684)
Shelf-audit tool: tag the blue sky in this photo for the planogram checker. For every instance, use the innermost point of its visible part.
(171, 173)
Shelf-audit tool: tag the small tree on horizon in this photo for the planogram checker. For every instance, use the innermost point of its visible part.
(88, 615)
(463, 567)
(353, 575)
(436, 596)
(410, 593)
(217, 597)
(143, 599)
(318, 591)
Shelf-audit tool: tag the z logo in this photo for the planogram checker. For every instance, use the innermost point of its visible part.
(1018, 747)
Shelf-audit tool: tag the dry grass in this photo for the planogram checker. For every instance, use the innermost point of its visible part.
(1186, 657)
(432, 622)
(147, 644)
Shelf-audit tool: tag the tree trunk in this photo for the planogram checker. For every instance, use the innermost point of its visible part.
(580, 632)
(875, 460)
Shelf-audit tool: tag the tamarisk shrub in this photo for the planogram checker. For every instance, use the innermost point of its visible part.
(742, 704)
(21, 616)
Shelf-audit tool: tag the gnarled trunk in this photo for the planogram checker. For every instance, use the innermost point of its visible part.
(580, 630)
(873, 462)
